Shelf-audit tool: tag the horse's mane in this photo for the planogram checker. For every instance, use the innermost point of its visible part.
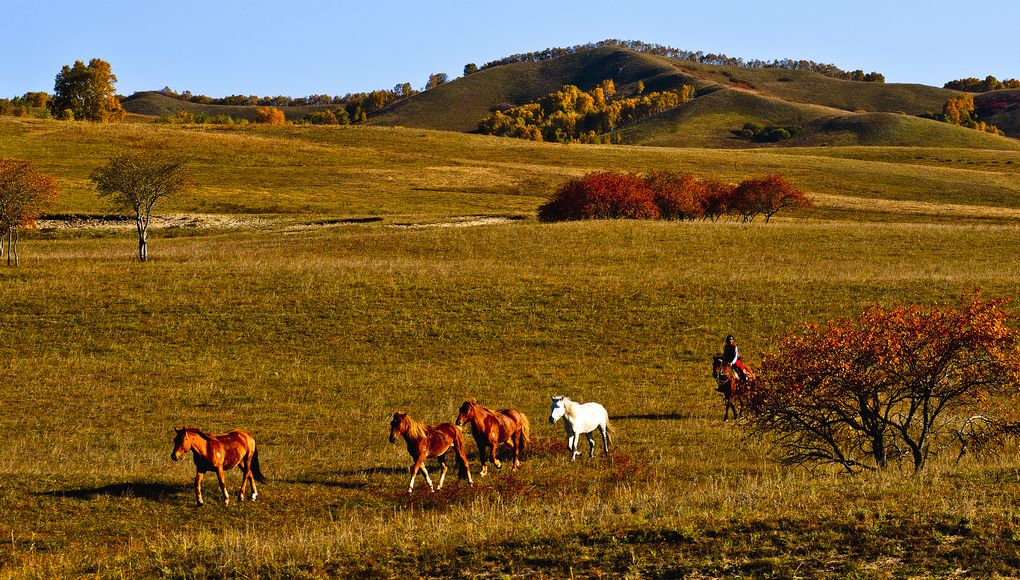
(416, 429)
(199, 432)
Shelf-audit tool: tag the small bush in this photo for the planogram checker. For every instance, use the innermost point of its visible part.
(270, 116)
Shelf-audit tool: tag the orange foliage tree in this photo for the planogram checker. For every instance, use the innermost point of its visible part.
(25, 192)
(86, 92)
(766, 196)
(270, 116)
(894, 383)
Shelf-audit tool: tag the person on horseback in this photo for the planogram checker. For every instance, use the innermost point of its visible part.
(731, 356)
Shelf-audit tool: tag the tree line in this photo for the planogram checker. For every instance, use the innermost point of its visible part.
(571, 115)
(829, 70)
(669, 195)
(990, 83)
(961, 111)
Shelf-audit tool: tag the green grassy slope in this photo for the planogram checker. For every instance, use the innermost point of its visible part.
(381, 171)
(460, 104)
(1006, 112)
(709, 121)
(809, 87)
(158, 105)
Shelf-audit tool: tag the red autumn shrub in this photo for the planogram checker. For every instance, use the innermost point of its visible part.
(717, 197)
(766, 196)
(677, 195)
(601, 195)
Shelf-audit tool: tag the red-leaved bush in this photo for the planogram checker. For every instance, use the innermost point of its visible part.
(601, 195)
(669, 195)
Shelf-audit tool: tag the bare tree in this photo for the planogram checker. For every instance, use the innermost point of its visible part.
(24, 193)
(134, 182)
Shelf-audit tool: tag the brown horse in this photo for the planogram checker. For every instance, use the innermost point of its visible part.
(218, 453)
(424, 441)
(494, 428)
(730, 385)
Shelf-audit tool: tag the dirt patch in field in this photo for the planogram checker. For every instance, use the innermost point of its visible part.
(118, 222)
(462, 222)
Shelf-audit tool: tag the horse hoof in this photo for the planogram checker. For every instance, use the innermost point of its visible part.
(253, 496)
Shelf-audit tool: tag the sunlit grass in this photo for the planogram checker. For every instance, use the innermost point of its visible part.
(311, 339)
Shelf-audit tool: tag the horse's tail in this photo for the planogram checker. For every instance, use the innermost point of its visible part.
(525, 430)
(255, 467)
(460, 450)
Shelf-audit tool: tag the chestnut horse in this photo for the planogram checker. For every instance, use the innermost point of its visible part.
(218, 453)
(425, 441)
(494, 428)
(730, 385)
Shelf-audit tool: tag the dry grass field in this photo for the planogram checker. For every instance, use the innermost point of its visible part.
(310, 332)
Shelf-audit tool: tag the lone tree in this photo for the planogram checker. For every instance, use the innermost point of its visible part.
(86, 93)
(893, 384)
(766, 196)
(25, 192)
(134, 182)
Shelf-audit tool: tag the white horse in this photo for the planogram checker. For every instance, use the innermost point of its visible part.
(581, 419)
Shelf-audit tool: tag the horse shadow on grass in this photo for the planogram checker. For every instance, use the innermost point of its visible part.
(674, 416)
(342, 479)
(146, 490)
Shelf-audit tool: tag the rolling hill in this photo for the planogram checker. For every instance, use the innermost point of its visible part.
(831, 111)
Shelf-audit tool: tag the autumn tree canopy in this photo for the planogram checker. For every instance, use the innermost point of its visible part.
(87, 92)
(25, 192)
(893, 384)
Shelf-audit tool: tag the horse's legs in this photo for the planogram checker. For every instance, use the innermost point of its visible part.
(198, 488)
(418, 464)
(604, 429)
(591, 444)
(493, 445)
(245, 476)
(572, 445)
(516, 441)
(442, 475)
(223, 485)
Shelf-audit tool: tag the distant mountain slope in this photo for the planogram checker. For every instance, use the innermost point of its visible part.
(711, 121)
(460, 104)
(1000, 108)
(158, 105)
(727, 98)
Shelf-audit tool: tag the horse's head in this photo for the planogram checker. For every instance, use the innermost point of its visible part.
(466, 413)
(558, 408)
(398, 426)
(717, 367)
(182, 443)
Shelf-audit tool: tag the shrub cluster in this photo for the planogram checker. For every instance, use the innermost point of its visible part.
(974, 85)
(768, 133)
(669, 195)
(201, 118)
(961, 111)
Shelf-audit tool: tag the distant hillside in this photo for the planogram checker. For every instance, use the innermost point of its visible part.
(713, 119)
(460, 104)
(158, 105)
(729, 97)
(1000, 108)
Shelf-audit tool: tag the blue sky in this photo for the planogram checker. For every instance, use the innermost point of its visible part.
(271, 48)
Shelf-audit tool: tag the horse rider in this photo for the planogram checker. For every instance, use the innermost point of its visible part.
(731, 356)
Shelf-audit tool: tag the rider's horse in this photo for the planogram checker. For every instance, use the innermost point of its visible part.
(729, 384)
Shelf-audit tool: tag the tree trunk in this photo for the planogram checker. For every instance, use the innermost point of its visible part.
(142, 225)
(143, 245)
(14, 247)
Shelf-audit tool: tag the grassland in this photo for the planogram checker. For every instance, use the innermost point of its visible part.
(310, 333)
